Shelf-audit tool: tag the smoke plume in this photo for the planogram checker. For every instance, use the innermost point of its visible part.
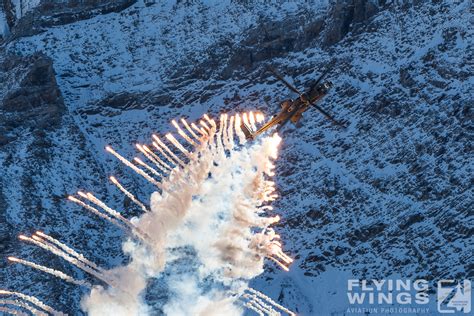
(210, 211)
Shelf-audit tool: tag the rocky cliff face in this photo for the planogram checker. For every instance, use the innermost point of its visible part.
(36, 100)
(53, 13)
(389, 195)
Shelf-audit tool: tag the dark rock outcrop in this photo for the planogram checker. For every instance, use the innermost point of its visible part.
(345, 15)
(32, 99)
(53, 13)
(270, 39)
(9, 10)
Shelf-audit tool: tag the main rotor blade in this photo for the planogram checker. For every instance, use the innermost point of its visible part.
(287, 84)
(327, 115)
(325, 72)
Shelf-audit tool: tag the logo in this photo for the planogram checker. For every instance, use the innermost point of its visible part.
(387, 292)
(454, 296)
(392, 296)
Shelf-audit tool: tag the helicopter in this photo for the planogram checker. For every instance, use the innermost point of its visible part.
(292, 110)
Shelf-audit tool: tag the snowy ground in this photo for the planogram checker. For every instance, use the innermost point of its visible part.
(390, 196)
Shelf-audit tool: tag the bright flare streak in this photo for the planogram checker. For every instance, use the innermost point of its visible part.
(205, 133)
(154, 158)
(257, 310)
(259, 117)
(264, 307)
(282, 257)
(166, 148)
(20, 304)
(70, 251)
(252, 121)
(53, 272)
(129, 195)
(219, 135)
(270, 183)
(150, 152)
(146, 166)
(276, 242)
(269, 198)
(183, 134)
(98, 213)
(11, 311)
(170, 159)
(238, 130)
(269, 300)
(230, 132)
(225, 137)
(275, 140)
(211, 130)
(177, 144)
(33, 300)
(273, 220)
(134, 229)
(109, 210)
(260, 308)
(188, 128)
(49, 247)
(269, 190)
(211, 121)
(201, 131)
(246, 121)
(206, 128)
(279, 263)
(82, 194)
(133, 167)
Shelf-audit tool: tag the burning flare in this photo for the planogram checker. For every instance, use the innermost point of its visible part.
(213, 196)
(54, 272)
(33, 300)
(128, 194)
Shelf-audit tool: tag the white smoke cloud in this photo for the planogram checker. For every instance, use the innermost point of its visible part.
(212, 206)
(189, 299)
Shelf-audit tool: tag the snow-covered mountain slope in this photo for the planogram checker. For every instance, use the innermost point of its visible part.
(390, 195)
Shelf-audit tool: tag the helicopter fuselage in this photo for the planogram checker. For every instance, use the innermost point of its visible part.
(292, 110)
